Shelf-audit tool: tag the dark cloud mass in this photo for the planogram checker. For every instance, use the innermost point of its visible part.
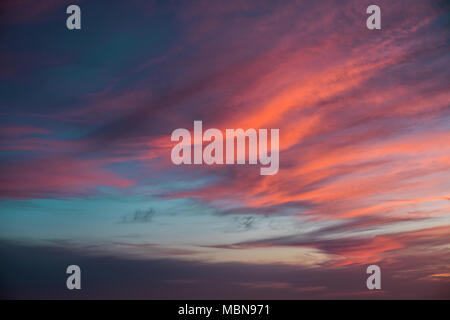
(109, 277)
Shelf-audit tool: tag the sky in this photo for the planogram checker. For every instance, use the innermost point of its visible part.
(86, 118)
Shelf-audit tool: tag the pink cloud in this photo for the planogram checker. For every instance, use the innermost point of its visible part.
(56, 176)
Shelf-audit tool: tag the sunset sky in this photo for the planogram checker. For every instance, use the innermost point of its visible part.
(86, 177)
